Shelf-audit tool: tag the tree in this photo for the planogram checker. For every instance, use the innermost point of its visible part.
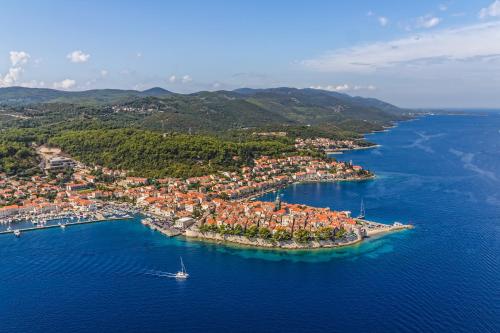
(264, 233)
(282, 235)
(302, 236)
(324, 233)
(224, 196)
(224, 229)
(252, 231)
(340, 233)
(238, 230)
(197, 211)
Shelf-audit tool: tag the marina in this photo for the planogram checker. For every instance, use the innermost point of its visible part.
(18, 232)
(24, 223)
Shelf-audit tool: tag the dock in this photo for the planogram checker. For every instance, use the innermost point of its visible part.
(162, 227)
(373, 228)
(69, 224)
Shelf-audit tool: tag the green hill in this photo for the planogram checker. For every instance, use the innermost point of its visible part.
(19, 96)
(201, 112)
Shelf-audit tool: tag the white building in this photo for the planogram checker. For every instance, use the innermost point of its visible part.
(184, 222)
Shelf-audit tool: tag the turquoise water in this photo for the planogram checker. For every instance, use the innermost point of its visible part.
(440, 173)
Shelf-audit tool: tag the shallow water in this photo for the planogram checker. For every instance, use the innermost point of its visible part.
(440, 173)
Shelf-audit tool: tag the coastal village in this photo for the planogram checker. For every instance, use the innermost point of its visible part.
(215, 206)
(330, 145)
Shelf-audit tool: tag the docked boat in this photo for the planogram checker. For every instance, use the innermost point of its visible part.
(182, 274)
(17, 233)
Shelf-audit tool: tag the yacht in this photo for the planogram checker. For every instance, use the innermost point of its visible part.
(17, 233)
(182, 274)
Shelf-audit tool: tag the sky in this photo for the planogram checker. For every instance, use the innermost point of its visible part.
(414, 53)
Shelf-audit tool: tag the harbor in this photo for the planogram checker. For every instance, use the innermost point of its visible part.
(21, 223)
(17, 232)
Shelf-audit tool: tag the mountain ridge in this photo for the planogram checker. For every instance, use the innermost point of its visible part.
(204, 111)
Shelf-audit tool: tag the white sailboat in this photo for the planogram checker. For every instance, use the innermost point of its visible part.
(182, 274)
(362, 210)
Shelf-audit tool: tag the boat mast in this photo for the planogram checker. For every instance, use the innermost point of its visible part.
(183, 268)
(362, 210)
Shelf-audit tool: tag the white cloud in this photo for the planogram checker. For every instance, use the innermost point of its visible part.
(443, 7)
(138, 54)
(370, 13)
(78, 56)
(368, 87)
(216, 85)
(172, 78)
(344, 87)
(439, 46)
(18, 58)
(428, 21)
(492, 10)
(383, 21)
(104, 73)
(11, 77)
(186, 79)
(64, 84)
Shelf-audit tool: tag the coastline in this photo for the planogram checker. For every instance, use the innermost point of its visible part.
(258, 243)
(277, 188)
(264, 244)
(342, 150)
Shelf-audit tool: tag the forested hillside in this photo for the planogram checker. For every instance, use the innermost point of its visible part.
(157, 133)
(155, 155)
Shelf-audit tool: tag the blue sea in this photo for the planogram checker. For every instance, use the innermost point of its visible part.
(440, 173)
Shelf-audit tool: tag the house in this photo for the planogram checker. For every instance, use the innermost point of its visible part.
(76, 186)
(59, 163)
(9, 210)
(184, 222)
(134, 181)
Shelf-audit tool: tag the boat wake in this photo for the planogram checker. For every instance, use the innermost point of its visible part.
(181, 275)
(160, 274)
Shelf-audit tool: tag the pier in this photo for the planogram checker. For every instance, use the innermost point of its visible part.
(66, 224)
(163, 228)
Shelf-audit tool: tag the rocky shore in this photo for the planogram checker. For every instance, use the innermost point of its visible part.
(258, 242)
(378, 228)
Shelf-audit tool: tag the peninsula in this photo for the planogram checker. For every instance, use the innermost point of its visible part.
(219, 206)
(85, 154)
